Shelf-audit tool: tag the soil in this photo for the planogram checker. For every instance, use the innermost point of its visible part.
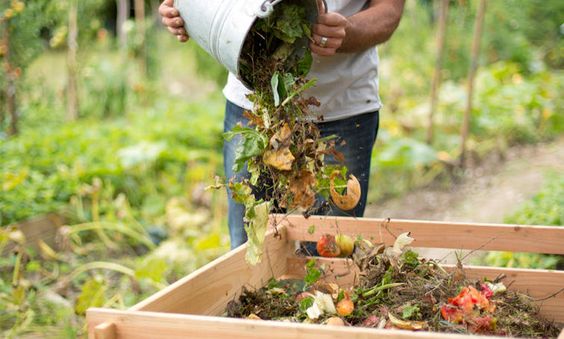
(486, 193)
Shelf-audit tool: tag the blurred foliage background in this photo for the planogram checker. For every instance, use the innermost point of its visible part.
(128, 169)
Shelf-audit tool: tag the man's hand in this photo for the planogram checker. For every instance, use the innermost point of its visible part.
(172, 20)
(329, 33)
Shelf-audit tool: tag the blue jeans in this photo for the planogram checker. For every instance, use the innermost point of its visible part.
(359, 132)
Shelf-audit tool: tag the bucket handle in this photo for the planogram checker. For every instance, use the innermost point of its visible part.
(268, 6)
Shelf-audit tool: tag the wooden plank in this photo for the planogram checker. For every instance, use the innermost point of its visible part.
(428, 234)
(539, 284)
(105, 330)
(150, 325)
(207, 290)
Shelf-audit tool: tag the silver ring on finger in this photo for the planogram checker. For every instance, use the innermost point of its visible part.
(323, 42)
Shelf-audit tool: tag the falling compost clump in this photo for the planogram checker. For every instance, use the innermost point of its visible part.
(281, 146)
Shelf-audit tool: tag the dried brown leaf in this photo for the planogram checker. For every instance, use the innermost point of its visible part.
(253, 118)
(281, 159)
(281, 137)
(301, 188)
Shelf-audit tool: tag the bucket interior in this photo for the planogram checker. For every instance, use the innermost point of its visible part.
(251, 45)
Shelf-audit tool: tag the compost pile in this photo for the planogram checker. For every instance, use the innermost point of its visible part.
(281, 146)
(396, 289)
(285, 153)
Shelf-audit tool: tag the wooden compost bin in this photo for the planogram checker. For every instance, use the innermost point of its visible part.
(191, 307)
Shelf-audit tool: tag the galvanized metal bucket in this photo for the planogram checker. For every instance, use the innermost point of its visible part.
(221, 26)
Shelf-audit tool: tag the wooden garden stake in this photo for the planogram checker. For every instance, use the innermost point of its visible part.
(122, 15)
(10, 89)
(478, 25)
(441, 33)
(72, 66)
(140, 25)
(4, 49)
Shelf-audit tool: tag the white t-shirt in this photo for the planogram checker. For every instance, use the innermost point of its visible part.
(347, 83)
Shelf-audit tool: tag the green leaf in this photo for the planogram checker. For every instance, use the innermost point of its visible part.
(254, 170)
(273, 283)
(153, 269)
(410, 311)
(312, 273)
(209, 242)
(411, 258)
(288, 82)
(311, 229)
(91, 295)
(281, 86)
(18, 295)
(387, 278)
(341, 295)
(309, 84)
(256, 232)
(283, 51)
(241, 193)
(252, 145)
(304, 65)
(306, 303)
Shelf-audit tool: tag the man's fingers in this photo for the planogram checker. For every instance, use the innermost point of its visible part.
(166, 9)
(330, 43)
(329, 31)
(322, 51)
(177, 31)
(182, 38)
(170, 17)
(173, 22)
(169, 12)
(332, 19)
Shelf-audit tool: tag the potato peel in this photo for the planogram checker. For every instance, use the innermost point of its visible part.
(350, 199)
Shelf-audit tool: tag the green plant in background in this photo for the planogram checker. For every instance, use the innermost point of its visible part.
(511, 108)
(545, 208)
(26, 27)
(546, 32)
(20, 24)
(78, 275)
(106, 89)
(143, 157)
(207, 67)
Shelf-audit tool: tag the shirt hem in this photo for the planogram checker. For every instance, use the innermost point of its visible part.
(348, 114)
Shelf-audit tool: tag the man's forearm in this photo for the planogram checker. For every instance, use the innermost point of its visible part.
(372, 26)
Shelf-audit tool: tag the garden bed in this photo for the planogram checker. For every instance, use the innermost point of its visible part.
(193, 305)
